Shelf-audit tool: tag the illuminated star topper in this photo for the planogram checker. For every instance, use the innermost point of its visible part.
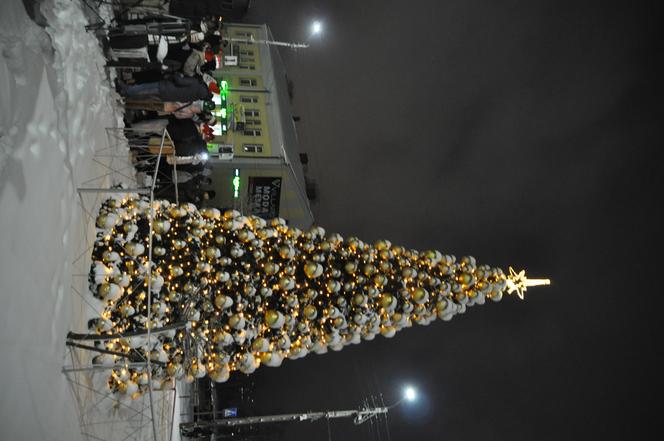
(520, 283)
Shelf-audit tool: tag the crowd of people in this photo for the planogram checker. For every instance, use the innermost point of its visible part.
(164, 65)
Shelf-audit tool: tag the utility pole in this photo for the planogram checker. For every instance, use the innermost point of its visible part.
(267, 42)
(360, 416)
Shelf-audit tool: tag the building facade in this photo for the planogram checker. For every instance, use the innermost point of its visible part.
(255, 153)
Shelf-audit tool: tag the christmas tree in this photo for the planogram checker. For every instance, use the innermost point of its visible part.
(227, 292)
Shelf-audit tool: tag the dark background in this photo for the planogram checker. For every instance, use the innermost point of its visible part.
(525, 133)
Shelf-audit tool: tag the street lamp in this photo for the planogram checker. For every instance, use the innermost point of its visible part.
(359, 416)
(409, 394)
(316, 27)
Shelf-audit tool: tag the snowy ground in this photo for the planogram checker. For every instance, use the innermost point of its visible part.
(55, 104)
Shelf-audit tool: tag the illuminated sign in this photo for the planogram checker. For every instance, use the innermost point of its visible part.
(222, 113)
(236, 184)
(264, 194)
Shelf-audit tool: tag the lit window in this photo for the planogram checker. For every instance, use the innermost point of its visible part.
(252, 148)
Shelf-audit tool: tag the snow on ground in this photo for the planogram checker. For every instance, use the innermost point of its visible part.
(55, 104)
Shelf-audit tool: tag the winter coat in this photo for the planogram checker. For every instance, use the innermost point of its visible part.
(181, 129)
(184, 110)
(194, 62)
(183, 89)
(188, 142)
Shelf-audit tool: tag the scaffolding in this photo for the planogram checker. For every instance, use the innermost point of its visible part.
(104, 414)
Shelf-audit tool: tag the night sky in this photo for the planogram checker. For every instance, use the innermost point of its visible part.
(523, 133)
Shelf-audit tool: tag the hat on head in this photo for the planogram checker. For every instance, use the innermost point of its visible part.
(214, 88)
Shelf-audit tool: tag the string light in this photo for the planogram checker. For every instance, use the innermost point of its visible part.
(293, 292)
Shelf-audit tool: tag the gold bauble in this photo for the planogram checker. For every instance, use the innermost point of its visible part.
(271, 268)
(310, 312)
(359, 299)
(369, 270)
(104, 290)
(236, 321)
(101, 221)
(441, 305)
(220, 240)
(382, 245)
(420, 295)
(286, 252)
(444, 269)
(350, 267)
(332, 286)
(379, 280)
(176, 271)
(464, 278)
(386, 300)
(271, 317)
(408, 273)
(122, 387)
(313, 269)
(261, 344)
(286, 283)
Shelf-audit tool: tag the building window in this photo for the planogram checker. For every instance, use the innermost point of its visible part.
(252, 132)
(247, 66)
(248, 99)
(246, 52)
(243, 34)
(252, 148)
(253, 122)
(249, 82)
(251, 112)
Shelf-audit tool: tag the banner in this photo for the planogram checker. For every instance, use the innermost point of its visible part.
(264, 195)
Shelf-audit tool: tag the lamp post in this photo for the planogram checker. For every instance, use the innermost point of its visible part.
(316, 29)
(359, 416)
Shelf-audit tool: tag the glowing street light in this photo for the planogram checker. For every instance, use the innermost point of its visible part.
(316, 27)
(409, 394)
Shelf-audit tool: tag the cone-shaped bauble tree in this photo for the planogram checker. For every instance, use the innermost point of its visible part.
(232, 292)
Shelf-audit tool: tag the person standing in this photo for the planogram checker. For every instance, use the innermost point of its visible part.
(179, 88)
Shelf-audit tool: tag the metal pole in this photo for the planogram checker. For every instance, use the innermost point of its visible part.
(268, 42)
(141, 190)
(361, 416)
(102, 337)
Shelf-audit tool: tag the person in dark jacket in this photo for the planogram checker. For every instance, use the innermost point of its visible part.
(179, 88)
